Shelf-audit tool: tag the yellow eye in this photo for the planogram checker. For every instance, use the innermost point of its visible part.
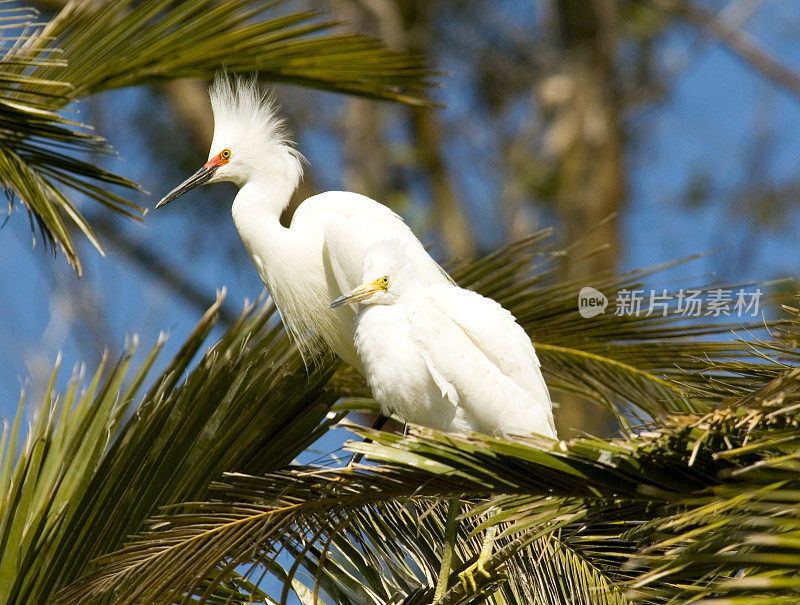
(226, 153)
(385, 280)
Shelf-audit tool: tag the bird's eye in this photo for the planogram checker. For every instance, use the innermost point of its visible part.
(385, 280)
(226, 153)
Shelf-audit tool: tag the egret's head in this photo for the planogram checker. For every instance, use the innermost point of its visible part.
(387, 275)
(250, 141)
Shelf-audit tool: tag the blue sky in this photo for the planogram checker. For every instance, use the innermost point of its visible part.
(704, 127)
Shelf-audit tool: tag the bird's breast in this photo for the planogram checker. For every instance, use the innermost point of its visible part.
(396, 371)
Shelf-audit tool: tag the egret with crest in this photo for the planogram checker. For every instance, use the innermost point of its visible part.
(319, 256)
(446, 358)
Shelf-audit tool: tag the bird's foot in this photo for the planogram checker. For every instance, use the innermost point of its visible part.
(467, 576)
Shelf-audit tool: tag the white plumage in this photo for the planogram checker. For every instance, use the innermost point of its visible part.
(445, 357)
(319, 256)
(434, 354)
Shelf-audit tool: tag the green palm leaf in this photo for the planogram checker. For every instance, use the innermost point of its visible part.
(90, 472)
(369, 551)
(90, 47)
(249, 406)
(701, 507)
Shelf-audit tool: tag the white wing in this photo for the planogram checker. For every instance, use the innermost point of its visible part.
(352, 224)
(348, 225)
(474, 346)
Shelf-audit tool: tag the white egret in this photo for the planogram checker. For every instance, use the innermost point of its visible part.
(319, 256)
(444, 357)
(447, 358)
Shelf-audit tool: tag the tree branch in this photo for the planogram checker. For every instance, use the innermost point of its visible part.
(737, 41)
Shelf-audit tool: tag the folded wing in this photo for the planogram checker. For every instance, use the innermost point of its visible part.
(475, 347)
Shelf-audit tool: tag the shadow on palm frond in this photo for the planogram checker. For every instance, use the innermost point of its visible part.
(90, 47)
(704, 507)
(700, 506)
(101, 458)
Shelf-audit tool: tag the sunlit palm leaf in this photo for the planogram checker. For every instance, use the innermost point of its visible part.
(604, 500)
(374, 555)
(712, 499)
(36, 142)
(376, 552)
(549, 570)
(703, 507)
(62, 447)
(89, 474)
(90, 47)
(135, 43)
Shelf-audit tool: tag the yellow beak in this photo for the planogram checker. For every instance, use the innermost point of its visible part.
(359, 294)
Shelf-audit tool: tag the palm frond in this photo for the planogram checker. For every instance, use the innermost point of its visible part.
(139, 43)
(90, 47)
(90, 472)
(63, 445)
(709, 501)
(599, 508)
(382, 545)
(700, 507)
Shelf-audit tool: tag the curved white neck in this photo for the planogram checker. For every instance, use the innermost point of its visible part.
(290, 262)
(263, 197)
(256, 213)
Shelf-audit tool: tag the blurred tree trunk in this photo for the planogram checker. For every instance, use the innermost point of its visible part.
(456, 237)
(367, 167)
(587, 131)
(587, 135)
(366, 164)
(189, 101)
(448, 213)
(407, 26)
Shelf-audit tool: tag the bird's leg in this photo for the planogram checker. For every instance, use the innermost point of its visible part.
(468, 575)
(379, 423)
(451, 525)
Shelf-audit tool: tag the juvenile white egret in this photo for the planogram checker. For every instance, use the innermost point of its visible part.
(444, 357)
(447, 358)
(319, 256)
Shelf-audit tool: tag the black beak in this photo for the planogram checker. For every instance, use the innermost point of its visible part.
(200, 177)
